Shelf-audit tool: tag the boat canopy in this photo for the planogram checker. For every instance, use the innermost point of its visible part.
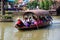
(37, 12)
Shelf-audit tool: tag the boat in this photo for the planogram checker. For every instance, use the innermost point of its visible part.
(41, 18)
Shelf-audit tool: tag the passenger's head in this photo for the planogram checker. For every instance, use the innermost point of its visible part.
(25, 17)
(19, 20)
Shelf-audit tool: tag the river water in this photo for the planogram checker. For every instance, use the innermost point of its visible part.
(9, 32)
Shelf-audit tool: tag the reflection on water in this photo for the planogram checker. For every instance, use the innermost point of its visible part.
(0, 32)
(31, 35)
(5, 26)
(9, 32)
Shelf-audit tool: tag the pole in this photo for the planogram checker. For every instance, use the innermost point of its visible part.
(2, 7)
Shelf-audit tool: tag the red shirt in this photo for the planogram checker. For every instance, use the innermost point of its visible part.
(18, 22)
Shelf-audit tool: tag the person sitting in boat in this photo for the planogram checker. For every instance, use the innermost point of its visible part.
(35, 21)
(49, 18)
(31, 20)
(40, 21)
(44, 19)
(26, 22)
(20, 23)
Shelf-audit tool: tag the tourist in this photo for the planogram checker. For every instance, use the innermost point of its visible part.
(19, 23)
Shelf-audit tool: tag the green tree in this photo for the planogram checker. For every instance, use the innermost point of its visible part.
(45, 4)
(41, 4)
(32, 5)
(50, 2)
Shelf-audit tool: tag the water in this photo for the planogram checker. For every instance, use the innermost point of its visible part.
(9, 32)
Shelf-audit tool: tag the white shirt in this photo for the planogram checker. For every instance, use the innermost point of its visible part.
(9, 6)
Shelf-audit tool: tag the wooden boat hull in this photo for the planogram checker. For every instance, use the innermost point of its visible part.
(33, 26)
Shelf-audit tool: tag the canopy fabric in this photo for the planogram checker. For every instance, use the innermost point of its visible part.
(38, 12)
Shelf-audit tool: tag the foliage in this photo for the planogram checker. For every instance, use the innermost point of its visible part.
(44, 4)
(7, 17)
(32, 5)
(41, 4)
(9, 13)
(50, 2)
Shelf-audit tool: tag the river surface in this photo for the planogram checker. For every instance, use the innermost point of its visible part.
(9, 32)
